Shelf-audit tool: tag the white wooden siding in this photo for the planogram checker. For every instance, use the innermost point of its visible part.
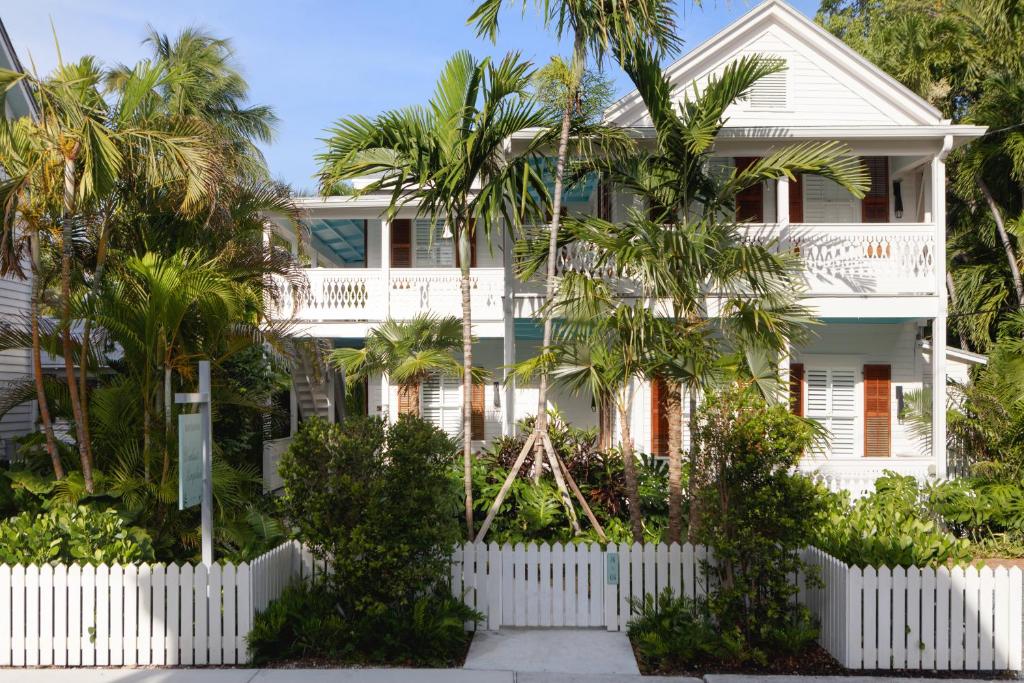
(15, 296)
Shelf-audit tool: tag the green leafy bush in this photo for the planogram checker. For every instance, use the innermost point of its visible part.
(73, 534)
(895, 525)
(756, 516)
(377, 503)
(672, 632)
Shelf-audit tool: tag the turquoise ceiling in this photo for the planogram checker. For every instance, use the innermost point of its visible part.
(343, 240)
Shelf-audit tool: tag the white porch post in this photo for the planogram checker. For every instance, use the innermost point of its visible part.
(385, 267)
(939, 323)
(782, 201)
(508, 349)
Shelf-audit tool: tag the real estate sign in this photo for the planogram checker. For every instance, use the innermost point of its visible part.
(190, 460)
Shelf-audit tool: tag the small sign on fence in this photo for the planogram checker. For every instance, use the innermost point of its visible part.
(190, 460)
(611, 568)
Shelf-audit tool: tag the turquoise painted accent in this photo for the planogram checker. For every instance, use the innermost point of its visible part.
(344, 238)
(529, 329)
(867, 321)
(579, 193)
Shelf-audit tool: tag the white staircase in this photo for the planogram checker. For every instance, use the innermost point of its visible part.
(313, 393)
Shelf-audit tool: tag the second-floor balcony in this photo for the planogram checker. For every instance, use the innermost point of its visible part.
(373, 294)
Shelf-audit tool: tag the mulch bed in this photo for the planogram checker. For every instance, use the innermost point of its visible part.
(815, 661)
(323, 663)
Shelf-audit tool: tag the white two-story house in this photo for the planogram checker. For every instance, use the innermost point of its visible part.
(874, 267)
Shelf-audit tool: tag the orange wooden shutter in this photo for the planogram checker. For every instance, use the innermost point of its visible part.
(877, 411)
(405, 401)
(749, 202)
(659, 418)
(477, 419)
(796, 389)
(401, 243)
(874, 208)
(796, 199)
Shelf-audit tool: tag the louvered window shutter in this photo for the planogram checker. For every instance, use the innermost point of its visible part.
(877, 411)
(405, 399)
(874, 207)
(831, 401)
(796, 199)
(433, 253)
(430, 406)
(401, 243)
(828, 202)
(796, 388)
(749, 202)
(769, 92)
(659, 418)
(477, 423)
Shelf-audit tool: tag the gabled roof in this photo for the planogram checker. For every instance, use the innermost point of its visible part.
(21, 104)
(844, 64)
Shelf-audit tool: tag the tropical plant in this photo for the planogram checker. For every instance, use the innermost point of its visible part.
(70, 534)
(408, 352)
(597, 28)
(449, 159)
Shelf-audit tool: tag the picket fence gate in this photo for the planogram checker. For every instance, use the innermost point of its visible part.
(575, 585)
(188, 615)
(957, 619)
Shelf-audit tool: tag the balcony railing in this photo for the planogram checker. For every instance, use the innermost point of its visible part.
(364, 294)
(847, 258)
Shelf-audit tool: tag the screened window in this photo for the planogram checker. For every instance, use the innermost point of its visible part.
(436, 253)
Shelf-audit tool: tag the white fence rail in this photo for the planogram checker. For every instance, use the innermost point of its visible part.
(918, 618)
(84, 615)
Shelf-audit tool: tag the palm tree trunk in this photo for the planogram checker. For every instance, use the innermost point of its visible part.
(465, 256)
(673, 406)
(37, 364)
(168, 422)
(951, 288)
(409, 394)
(636, 520)
(1004, 237)
(65, 287)
(83, 365)
(693, 485)
(556, 217)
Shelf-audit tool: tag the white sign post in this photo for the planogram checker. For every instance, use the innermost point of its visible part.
(195, 458)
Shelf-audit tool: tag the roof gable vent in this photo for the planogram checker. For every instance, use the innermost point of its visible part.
(770, 92)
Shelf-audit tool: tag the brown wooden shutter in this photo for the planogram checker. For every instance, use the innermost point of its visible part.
(877, 411)
(401, 243)
(477, 418)
(749, 202)
(406, 400)
(874, 208)
(796, 199)
(796, 389)
(604, 200)
(659, 418)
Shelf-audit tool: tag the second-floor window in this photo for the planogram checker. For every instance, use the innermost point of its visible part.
(438, 252)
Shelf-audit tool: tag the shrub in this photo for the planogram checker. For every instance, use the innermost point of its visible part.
(377, 503)
(671, 632)
(73, 534)
(308, 622)
(894, 525)
(756, 516)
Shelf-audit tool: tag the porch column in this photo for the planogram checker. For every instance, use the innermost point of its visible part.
(508, 346)
(385, 267)
(938, 197)
(782, 201)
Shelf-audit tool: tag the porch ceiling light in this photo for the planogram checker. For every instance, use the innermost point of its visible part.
(447, 233)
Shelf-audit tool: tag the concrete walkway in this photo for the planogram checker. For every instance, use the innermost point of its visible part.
(553, 650)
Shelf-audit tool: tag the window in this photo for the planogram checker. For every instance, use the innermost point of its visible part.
(831, 401)
(436, 253)
(442, 403)
(875, 205)
(828, 202)
(659, 418)
(877, 411)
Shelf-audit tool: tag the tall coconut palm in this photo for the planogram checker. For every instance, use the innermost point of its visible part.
(597, 28)
(449, 159)
(408, 352)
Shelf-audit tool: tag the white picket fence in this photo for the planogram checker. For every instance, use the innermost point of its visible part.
(84, 615)
(572, 585)
(918, 618)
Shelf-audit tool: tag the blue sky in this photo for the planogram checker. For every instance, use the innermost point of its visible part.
(314, 61)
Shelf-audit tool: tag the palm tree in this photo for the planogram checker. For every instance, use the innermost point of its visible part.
(64, 167)
(688, 244)
(597, 27)
(408, 352)
(449, 158)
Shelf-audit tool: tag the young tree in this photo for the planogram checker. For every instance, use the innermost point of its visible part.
(449, 158)
(407, 352)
